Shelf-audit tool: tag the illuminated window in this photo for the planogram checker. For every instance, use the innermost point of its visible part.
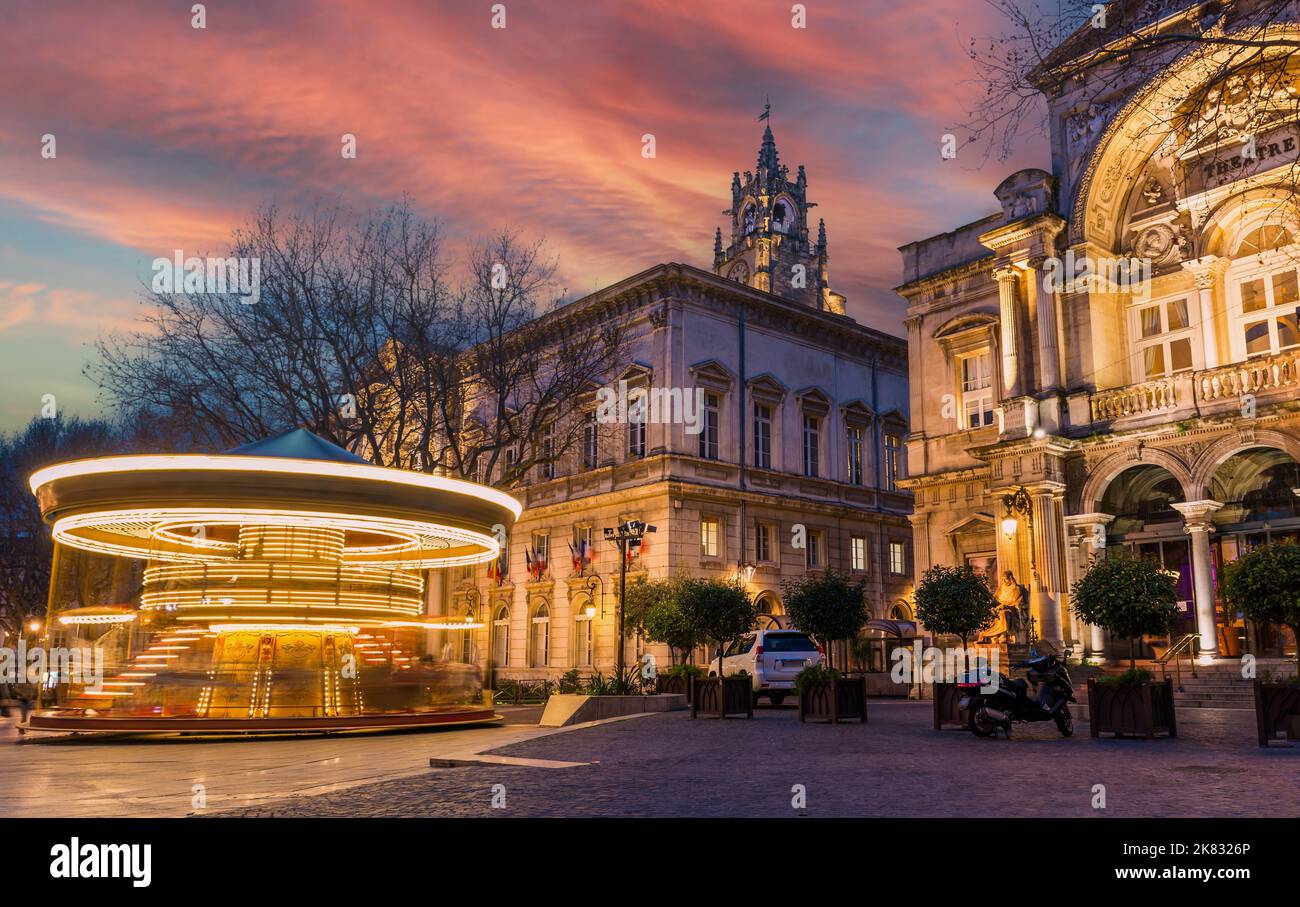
(858, 552)
(897, 558)
(1162, 339)
(977, 390)
(710, 530)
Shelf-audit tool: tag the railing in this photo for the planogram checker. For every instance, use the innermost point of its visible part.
(1187, 645)
(1251, 377)
(1133, 400)
(1211, 388)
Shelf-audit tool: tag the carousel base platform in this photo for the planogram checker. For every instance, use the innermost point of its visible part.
(78, 723)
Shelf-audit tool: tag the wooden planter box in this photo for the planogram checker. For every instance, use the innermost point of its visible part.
(844, 699)
(679, 685)
(1138, 710)
(725, 697)
(946, 713)
(1277, 705)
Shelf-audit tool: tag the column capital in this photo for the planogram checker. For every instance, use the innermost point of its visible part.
(1005, 272)
(1197, 514)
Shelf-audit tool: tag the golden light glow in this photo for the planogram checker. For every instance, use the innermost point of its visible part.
(116, 532)
(93, 616)
(180, 462)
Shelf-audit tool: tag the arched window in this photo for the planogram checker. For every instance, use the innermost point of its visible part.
(501, 637)
(584, 634)
(1264, 291)
(540, 641)
(900, 611)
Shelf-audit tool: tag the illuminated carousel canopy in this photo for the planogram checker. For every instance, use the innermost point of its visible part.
(283, 587)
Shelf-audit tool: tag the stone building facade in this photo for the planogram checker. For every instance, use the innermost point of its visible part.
(1151, 402)
(805, 417)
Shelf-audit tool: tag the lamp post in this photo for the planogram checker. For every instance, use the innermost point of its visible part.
(592, 582)
(627, 537)
(745, 570)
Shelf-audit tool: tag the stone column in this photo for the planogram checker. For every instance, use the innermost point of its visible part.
(1008, 279)
(1204, 271)
(1048, 555)
(1089, 532)
(1049, 358)
(1197, 523)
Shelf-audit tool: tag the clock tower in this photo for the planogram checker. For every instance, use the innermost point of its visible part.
(770, 246)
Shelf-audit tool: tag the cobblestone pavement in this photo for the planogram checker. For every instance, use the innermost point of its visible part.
(156, 777)
(669, 765)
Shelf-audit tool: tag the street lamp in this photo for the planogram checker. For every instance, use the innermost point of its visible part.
(592, 582)
(1016, 502)
(745, 570)
(627, 537)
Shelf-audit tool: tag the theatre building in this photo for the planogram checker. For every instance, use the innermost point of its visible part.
(795, 467)
(1150, 405)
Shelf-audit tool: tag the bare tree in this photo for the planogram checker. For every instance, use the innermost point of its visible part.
(361, 336)
(1113, 48)
(26, 549)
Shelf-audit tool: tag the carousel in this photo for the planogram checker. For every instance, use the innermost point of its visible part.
(279, 587)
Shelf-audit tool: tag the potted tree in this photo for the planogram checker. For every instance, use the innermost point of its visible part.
(1130, 597)
(1262, 585)
(718, 611)
(665, 622)
(832, 608)
(953, 601)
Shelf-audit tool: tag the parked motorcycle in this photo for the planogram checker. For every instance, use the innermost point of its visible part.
(1011, 701)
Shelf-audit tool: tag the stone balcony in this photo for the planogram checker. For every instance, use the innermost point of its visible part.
(1206, 392)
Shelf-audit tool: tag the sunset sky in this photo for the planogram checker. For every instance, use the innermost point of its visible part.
(168, 137)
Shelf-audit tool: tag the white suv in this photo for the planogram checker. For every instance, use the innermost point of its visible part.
(771, 658)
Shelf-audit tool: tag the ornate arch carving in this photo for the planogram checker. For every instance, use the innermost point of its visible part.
(1210, 459)
(1109, 469)
(1137, 130)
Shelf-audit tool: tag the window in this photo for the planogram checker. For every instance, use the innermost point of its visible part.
(540, 656)
(547, 452)
(892, 445)
(858, 552)
(590, 441)
(854, 439)
(709, 427)
(636, 422)
(501, 637)
(762, 542)
(709, 531)
(585, 636)
(897, 559)
(1268, 320)
(542, 545)
(977, 390)
(762, 436)
(1162, 340)
(812, 554)
(811, 444)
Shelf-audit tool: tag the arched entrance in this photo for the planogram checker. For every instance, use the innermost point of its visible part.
(771, 613)
(1144, 501)
(1259, 507)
